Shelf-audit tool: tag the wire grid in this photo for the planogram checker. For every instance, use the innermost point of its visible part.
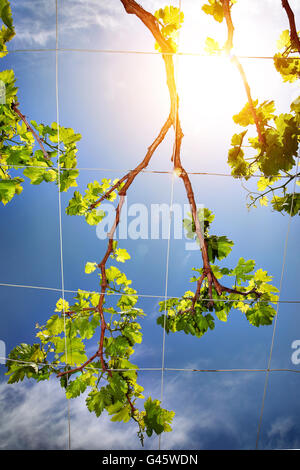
(267, 370)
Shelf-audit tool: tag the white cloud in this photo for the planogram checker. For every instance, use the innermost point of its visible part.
(282, 433)
(35, 417)
(280, 427)
(212, 411)
(35, 22)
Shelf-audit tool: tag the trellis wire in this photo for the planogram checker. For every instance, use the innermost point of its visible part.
(169, 233)
(162, 172)
(154, 296)
(60, 211)
(159, 369)
(166, 296)
(120, 51)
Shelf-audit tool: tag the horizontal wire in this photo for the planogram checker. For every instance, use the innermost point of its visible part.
(154, 369)
(233, 370)
(168, 172)
(54, 289)
(121, 51)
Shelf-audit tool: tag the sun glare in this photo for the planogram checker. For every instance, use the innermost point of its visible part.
(209, 86)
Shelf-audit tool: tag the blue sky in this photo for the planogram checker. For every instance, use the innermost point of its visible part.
(118, 102)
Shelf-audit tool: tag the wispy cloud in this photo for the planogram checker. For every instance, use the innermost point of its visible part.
(216, 411)
(281, 427)
(35, 417)
(35, 22)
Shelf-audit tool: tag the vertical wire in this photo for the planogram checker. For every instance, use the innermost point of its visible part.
(165, 301)
(277, 309)
(59, 209)
(168, 247)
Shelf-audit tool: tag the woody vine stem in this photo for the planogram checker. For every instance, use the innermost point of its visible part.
(122, 186)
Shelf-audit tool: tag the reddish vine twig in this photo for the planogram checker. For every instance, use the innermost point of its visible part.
(295, 40)
(15, 108)
(228, 47)
(106, 195)
(79, 368)
(74, 312)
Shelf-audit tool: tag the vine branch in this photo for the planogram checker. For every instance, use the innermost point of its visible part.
(295, 40)
(80, 368)
(15, 108)
(283, 186)
(228, 47)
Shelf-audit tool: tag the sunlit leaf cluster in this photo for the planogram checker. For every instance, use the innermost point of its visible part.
(180, 313)
(285, 61)
(7, 30)
(26, 147)
(83, 205)
(275, 160)
(19, 151)
(170, 20)
(273, 153)
(217, 247)
(63, 343)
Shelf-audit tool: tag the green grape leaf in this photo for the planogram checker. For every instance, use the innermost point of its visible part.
(121, 255)
(62, 306)
(94, 217)
(77, 205)
(245, 117)
(222, 315)
(156, 418)
(284, 40)
(242, 270)
(263, 182)
(90, 267)
(122, 415)
(132, 333)
(79, 384)
(260, 314)
(218, 247)
(9, 188)
(214, 8)
(97, 401)
(117, 346)
(170, 20)
(55, 325)
(7, 31)
(118, 385)
(72, 350)
(290, 203)
(285, 62)
(212, 47)
(23, 362)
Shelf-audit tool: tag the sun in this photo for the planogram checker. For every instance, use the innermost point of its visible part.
(208, 86)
